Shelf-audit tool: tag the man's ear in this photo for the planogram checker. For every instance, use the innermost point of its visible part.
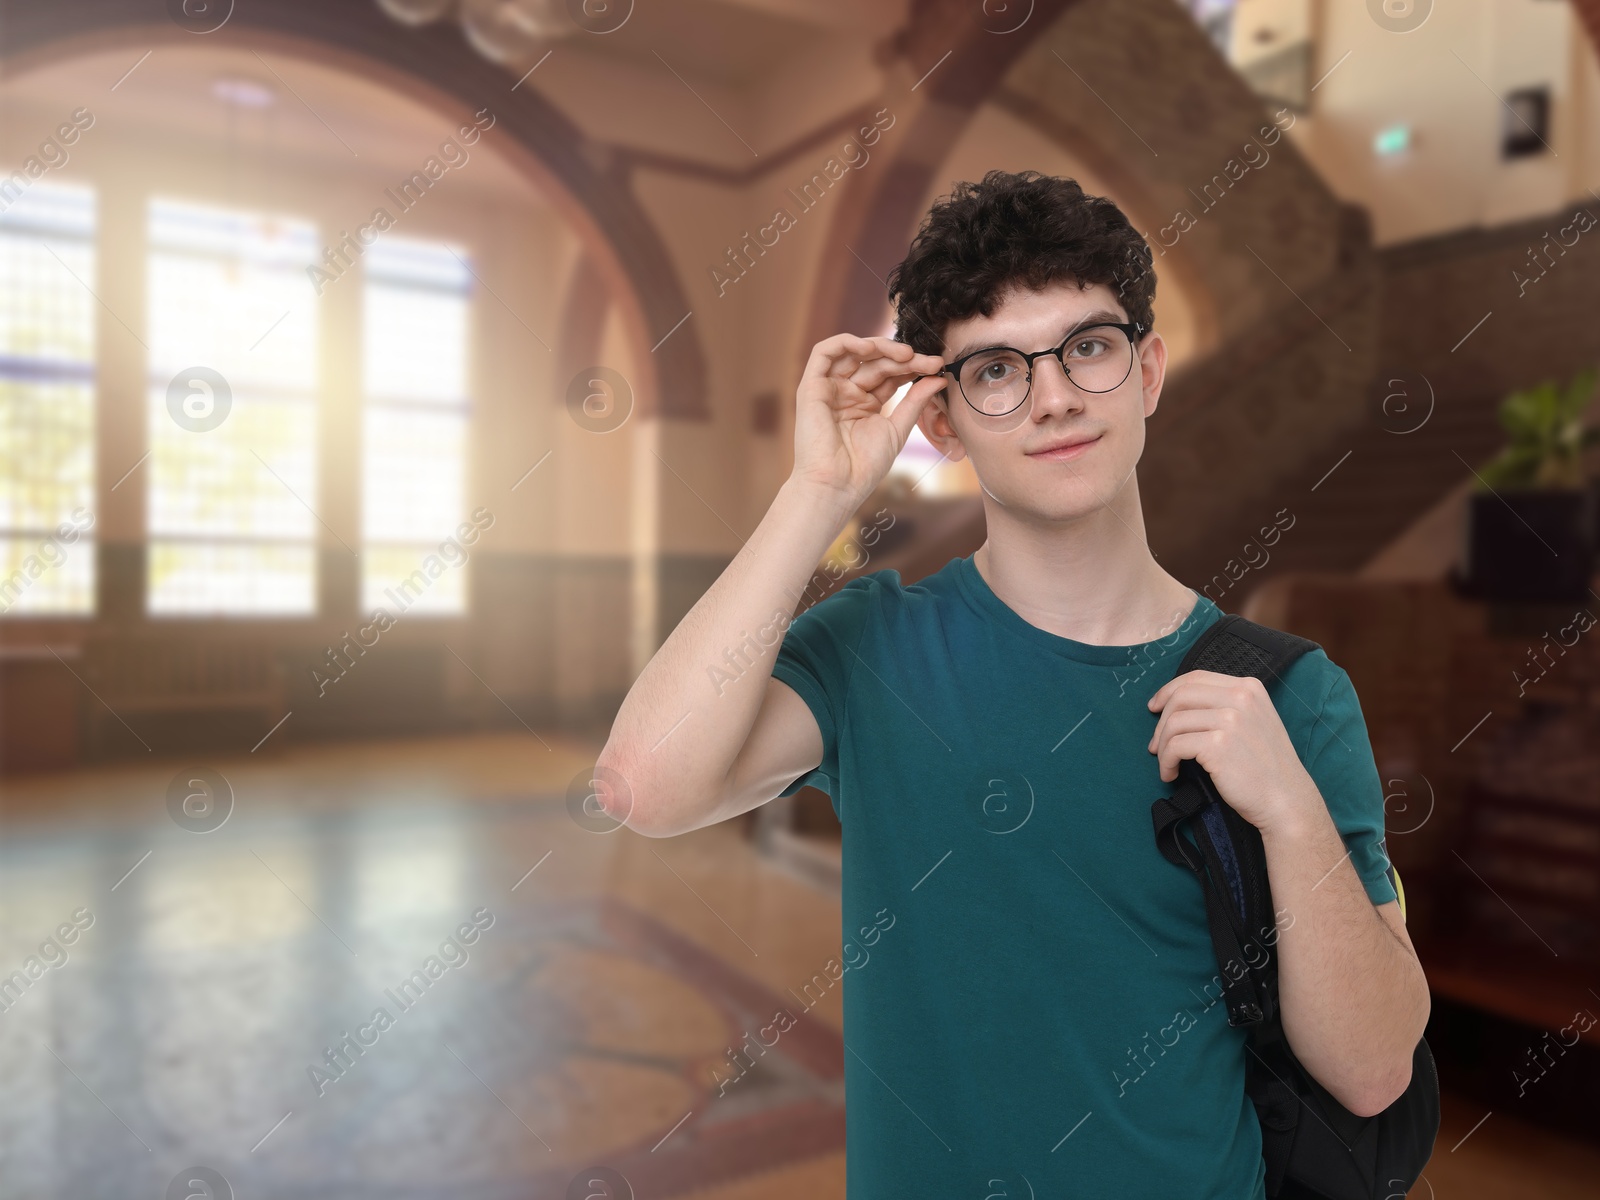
(934, 421)
(1152, 369)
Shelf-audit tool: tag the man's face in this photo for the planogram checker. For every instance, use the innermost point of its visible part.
(1007, 451)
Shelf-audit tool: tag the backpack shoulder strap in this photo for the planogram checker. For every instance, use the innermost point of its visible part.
(1226, 854)
(1233, 645)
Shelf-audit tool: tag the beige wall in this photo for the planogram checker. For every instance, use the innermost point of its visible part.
(1445, 79)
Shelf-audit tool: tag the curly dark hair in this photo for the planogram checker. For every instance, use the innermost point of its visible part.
(1014, 228)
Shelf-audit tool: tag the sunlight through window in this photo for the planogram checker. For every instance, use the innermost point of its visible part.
(414, 429)
(232, 413)
(47, 390)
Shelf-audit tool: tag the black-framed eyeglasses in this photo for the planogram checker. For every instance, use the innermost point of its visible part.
(997, 380)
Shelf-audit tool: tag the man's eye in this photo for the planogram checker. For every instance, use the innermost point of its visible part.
(1088, 348)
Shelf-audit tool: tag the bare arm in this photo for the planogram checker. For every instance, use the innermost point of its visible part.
(689, 746)
(1355, 1000)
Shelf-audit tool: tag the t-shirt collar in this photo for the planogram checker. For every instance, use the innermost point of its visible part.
(976, 589)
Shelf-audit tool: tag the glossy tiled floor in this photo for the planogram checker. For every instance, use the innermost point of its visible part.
(588, 1021)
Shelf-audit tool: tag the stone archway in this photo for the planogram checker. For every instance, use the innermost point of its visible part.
(437, 66)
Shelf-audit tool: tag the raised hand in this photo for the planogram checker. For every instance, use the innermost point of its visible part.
(843, 439)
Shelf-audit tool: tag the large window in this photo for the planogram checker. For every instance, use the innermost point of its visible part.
(47, 328)
(414, 428)
(232, 413)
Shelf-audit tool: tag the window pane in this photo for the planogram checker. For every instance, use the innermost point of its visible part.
(420, 347)
(413, 485)
(222, 482)
(47, 399)
(210, 577)
(233, 480)
(414, 430)
(413, 579)
(46, 575)
(46, 453)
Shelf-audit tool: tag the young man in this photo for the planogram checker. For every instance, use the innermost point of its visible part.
(1038, 1016)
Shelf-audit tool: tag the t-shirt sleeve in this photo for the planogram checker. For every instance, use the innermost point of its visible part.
(1341, 764)
(818, 659)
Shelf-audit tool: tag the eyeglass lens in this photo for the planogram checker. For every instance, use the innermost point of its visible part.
(997, 382)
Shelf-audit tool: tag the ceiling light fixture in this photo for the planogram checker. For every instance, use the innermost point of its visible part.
(514, 33)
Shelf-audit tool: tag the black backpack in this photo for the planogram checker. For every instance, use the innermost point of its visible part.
(1314, 1147)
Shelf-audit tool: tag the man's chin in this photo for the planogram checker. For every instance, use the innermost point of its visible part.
(1071, 503)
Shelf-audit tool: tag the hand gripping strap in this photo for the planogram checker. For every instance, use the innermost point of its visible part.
(1225, 854)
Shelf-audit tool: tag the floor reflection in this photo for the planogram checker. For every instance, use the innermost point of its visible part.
(466, 996)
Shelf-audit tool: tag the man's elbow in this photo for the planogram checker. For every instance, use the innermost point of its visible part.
(1380, 1093)
(612, 798)
(617, 795)
(1388, 1083)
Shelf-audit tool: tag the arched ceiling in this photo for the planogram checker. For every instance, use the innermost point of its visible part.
(579, 176)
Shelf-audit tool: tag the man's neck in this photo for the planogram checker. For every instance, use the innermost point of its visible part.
(1093, 580)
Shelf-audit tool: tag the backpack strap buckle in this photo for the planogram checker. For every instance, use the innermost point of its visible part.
(1245, 1013)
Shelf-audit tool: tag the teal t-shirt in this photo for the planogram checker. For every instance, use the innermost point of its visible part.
(1030, 995)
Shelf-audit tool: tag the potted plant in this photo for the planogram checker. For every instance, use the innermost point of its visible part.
(1531, 522)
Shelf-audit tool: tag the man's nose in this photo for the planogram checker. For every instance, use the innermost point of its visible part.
(1053, 392)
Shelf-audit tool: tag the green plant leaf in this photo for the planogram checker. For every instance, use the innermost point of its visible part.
(1579, 392)
(1547, 434)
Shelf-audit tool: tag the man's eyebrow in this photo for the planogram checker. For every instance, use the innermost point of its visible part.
(1101, 316)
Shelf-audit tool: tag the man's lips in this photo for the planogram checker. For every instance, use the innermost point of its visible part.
(1062, 451)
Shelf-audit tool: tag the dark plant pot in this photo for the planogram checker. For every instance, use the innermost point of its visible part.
(1533, 546)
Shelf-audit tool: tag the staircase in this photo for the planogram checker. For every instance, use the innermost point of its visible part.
(1363, 490)
(1439, 370)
